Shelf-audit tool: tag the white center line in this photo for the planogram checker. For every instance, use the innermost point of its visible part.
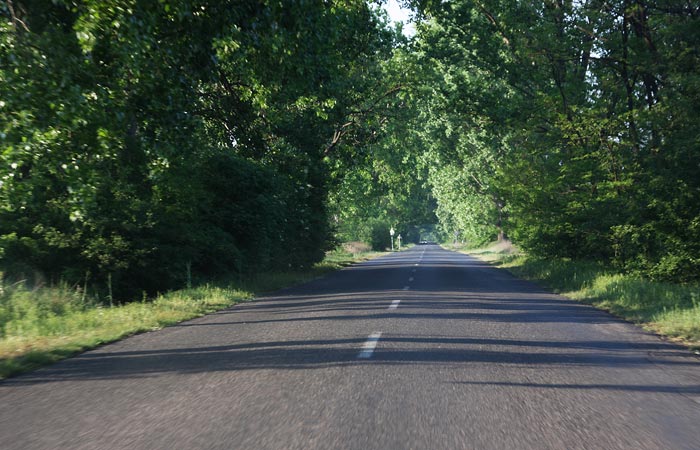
(394, 304)
(405, 288)
(410, 279)
(369, 346)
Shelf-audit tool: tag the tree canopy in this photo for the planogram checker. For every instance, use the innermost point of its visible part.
(570, 126)
(145, 142)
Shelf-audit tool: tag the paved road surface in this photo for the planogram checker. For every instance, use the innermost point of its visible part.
(424, 349)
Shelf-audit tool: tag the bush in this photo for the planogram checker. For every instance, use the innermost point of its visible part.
(380, 238)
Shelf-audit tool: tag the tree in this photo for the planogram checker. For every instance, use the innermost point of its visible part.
(571, 114)
(161, 137)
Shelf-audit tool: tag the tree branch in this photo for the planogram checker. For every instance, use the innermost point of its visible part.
(353, 117)
(15, 19)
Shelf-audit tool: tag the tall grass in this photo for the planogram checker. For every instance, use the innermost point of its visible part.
(45, 324)
(39, 326)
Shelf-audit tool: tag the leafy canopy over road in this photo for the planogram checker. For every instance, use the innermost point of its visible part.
(570, 125)
(145, 143)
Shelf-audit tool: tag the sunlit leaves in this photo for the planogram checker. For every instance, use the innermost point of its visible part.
(585, 124)
(122, 123)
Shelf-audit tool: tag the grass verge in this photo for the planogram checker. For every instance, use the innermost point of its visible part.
(44, 325)
(671, 310)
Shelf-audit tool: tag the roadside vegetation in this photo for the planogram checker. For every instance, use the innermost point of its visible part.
(42, 325)
(669, 309)
(153, 146)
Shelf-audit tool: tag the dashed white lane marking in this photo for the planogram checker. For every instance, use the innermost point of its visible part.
(405, 288)
(394, 304)
(413, 270)
(410, 279)
(369, 346)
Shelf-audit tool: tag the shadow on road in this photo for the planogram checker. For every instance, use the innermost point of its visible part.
(457, 294)
(393, 350)
(598, 387)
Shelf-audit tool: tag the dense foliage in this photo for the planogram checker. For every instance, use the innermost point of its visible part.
(382, 183)
(143, 143)
(570, 124)
(146, 143)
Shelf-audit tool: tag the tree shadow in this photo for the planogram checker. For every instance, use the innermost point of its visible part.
(316, 354)
(686, 390)
(426, 311)
(347, 300)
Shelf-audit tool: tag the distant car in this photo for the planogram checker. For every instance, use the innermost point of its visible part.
(422, 242)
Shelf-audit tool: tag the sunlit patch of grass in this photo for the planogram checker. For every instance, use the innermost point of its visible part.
(43, 325)
(47, 324)
(669, 309)
(560, 275)
(496, 252)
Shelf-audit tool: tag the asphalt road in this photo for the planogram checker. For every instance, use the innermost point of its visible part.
(423, 349)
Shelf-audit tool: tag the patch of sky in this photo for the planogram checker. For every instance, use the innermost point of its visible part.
(397, 13)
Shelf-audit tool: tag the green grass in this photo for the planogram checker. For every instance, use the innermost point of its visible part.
(43, 325)
(668, 309)
(494, 252)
